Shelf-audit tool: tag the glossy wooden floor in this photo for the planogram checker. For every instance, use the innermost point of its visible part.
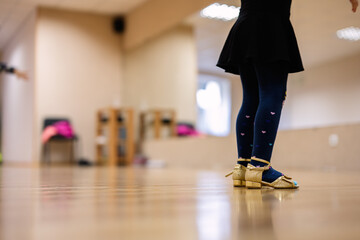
(129, 203)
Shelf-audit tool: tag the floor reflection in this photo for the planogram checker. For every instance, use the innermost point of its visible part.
(253, 210)
(213, 210)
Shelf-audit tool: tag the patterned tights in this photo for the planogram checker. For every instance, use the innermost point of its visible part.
(264, 93)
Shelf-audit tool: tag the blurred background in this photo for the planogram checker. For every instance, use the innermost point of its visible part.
(137, 83)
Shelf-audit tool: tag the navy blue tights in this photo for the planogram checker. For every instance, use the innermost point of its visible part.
(264, 92)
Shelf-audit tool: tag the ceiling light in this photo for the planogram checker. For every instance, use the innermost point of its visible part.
(350, 33)
(220, 11)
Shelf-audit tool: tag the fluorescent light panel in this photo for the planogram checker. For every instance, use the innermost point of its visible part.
(350, 33)
(220, 11)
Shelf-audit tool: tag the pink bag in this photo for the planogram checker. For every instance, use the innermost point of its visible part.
(62, 128)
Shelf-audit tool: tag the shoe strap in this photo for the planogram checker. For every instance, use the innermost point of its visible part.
(264, 168)
(244, 160)
(260, 160)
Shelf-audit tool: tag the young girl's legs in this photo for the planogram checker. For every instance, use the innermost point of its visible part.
(246, 115)
(272, 80)
(264, 91)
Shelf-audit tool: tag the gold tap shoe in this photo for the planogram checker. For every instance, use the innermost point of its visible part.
(253, 178)
(238, 174)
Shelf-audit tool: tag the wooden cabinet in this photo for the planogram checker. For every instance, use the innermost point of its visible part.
(154, 122)
(115, 136)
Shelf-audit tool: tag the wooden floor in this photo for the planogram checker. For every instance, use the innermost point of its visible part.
(133, 203)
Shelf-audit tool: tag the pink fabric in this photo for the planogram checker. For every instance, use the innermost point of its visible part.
(184, 130)
(62, 128)
(48, 133)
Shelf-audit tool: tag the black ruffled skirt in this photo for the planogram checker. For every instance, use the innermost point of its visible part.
(263, 37)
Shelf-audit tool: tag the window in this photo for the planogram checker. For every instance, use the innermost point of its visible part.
(213, 99)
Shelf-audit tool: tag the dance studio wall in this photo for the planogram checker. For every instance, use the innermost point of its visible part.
(79, 69)
(324, 95)
(18, 108)
(154, 17)
(321, 96)
(302, 148)
(162, 73)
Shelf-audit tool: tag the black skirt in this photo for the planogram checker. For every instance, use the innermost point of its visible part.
(261, 34)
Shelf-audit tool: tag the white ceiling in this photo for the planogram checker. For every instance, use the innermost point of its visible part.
(13, 12)
(315, 24)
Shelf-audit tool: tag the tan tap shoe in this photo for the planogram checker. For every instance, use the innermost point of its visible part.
(238, 174)
(253, 178)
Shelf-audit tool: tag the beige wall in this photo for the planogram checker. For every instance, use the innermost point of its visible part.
(324, 95)
(79, 69)
(156, 16)
(236, 99)
(162, 74)
(303, 148)
(18, 108)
